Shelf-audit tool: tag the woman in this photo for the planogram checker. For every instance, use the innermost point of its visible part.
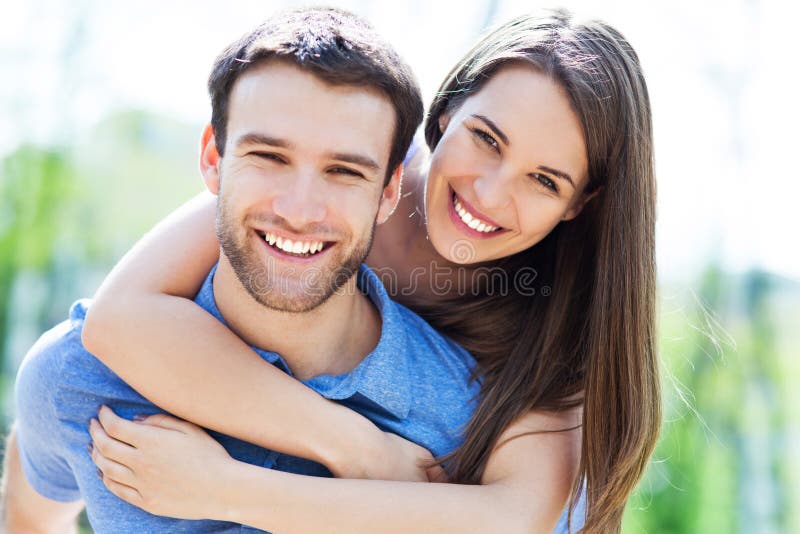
(542, 135)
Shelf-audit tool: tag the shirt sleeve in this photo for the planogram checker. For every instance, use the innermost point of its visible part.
(41, 447)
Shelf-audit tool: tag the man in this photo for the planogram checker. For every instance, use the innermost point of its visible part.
(311, 117)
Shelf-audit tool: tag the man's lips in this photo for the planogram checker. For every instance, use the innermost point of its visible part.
(295, 247)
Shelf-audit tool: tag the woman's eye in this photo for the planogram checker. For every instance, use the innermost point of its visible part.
(545, 181)
(486, 138)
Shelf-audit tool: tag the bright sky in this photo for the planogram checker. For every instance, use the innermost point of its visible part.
(721, 76)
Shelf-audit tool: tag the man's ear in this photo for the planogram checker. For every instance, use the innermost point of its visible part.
(209, 160)
(578, 205)
(390, 196)
(444, 120)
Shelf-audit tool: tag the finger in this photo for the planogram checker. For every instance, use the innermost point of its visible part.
(169, 422)
(113, 470)
(119, 428)
(126, 493)
(110, 448)
(436, 474)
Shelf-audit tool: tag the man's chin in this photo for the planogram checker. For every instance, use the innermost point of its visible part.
(300, 303)
(290, 295)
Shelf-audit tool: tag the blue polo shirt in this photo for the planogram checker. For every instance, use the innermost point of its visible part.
(415, 383)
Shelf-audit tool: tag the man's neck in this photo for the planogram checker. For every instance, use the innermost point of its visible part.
(331, 339)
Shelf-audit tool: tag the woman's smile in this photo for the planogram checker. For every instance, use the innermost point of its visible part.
(470, 221)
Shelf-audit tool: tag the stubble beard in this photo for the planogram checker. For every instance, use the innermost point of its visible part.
(282, 288)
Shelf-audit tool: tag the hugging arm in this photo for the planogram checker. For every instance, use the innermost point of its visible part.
(524, 489)
(525, 486)
(145, 327)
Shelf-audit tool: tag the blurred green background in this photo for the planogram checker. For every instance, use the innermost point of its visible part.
(100, 115)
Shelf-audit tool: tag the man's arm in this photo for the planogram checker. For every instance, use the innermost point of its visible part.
(24, 511)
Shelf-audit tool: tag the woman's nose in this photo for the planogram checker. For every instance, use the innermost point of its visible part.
(493, 191)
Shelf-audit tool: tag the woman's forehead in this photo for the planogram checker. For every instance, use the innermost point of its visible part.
(535, 113)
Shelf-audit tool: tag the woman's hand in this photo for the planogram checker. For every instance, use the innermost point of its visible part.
(389, 457)
(163, 465)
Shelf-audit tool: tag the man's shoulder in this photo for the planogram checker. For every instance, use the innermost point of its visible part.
(426, 342)
(42, 365)
(423, 341)
(58, 364)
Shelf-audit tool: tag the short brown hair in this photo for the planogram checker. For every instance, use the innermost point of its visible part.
(334, 45)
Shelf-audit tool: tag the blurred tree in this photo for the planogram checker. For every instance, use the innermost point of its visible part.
(721, 465)
(36, 187)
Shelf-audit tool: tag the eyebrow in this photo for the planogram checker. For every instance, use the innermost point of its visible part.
(262, 139)
(559, 174)
(493, 127)
(356, 159)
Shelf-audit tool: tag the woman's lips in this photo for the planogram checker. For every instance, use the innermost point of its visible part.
(472, 211)
(460, 221)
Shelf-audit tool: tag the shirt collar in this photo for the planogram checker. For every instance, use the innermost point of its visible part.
(382, 376)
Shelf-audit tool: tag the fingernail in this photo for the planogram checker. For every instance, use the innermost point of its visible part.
(139, 417)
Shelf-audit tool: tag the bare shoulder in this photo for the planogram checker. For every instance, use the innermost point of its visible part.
(537, 458)
(535, 463)
(548, 421)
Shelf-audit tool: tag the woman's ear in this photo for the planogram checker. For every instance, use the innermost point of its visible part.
(209, 159)
(390, 196)
(579, 204)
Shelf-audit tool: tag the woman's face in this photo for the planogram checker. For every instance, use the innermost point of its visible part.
(510, 165)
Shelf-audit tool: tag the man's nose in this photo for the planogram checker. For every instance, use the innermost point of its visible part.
(301, 201)
(493, 189)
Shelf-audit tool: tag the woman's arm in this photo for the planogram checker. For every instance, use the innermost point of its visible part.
(524, 489)
(525, 486)
(143, 325)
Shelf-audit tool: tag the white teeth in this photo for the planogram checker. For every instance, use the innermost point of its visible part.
(470, 220)
(295, 247)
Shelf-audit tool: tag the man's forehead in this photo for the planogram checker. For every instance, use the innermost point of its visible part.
(278, 77)
(285, 102)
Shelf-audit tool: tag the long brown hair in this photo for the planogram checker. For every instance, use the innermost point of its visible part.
(590, 341)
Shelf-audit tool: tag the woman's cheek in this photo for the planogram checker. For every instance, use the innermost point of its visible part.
(541, 217)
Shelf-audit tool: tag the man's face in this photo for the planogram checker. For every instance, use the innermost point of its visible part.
(301, 183)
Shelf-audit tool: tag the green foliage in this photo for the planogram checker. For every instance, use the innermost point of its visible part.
(35, 185)
(722, 464)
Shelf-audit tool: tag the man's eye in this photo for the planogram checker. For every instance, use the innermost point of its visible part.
(486, 138)
(345, 170)
(269, 156)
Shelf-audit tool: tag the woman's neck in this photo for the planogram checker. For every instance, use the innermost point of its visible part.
(402, 249)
